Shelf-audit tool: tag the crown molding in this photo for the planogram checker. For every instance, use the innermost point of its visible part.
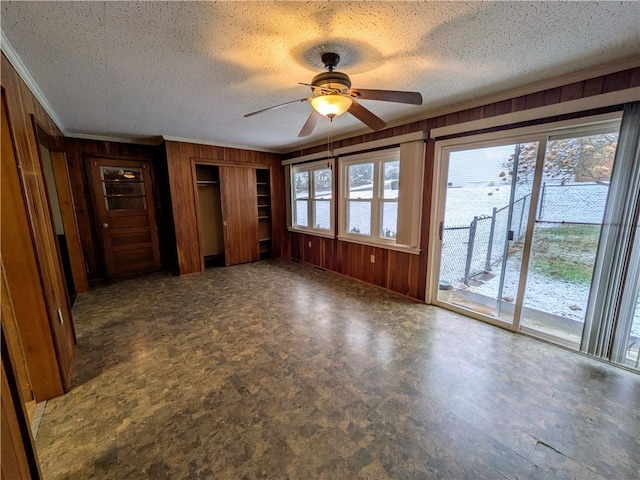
(171, 138)
(26, 77)
(155, 141)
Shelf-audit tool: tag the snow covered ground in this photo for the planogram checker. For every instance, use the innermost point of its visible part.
(542, 293)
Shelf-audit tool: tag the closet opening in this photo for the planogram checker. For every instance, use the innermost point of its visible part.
(211, 223)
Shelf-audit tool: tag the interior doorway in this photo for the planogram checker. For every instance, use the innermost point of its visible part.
(55, 173)
(210, 212)
(58, 224)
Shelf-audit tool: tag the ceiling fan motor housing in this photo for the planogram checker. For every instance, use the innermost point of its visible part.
(335, 82)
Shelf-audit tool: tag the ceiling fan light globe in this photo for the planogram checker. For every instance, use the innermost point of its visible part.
(331, 105)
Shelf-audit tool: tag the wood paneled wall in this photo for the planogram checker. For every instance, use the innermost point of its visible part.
(19, 457)
(78, 151)
(179, 155)
(406, 273)
(392, 269)
(48, 298)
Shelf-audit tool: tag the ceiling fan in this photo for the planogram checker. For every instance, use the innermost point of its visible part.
(333, 96)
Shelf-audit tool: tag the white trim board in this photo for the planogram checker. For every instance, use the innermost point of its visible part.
(563, 108)
(26, 77)
(384, 142)
(586, 123)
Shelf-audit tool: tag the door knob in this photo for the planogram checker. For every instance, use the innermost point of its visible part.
(105, 225)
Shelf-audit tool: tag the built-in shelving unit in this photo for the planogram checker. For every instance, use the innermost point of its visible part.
(263, 185)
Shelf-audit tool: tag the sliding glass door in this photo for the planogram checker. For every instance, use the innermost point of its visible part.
(521, 236)
(483, 228)
(568, 220)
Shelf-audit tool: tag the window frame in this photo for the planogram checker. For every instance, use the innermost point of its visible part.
(311, 199)
(378, 159)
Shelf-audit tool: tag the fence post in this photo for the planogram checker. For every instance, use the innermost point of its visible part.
(487, 265)
(524, 205)
(544, 186)
(472, 239)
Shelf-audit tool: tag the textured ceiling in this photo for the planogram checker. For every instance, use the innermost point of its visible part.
(192, 69)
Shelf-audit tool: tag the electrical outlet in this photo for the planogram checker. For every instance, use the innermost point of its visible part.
(373, 259)
(309, 243)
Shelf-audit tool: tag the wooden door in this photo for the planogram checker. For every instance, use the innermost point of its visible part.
(239, 214)
(125, 215)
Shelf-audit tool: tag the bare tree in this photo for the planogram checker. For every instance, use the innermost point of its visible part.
(581, 159)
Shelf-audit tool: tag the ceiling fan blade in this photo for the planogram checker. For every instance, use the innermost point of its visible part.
(275, 106)
(310, 124)
(366, 116)
(413, 98)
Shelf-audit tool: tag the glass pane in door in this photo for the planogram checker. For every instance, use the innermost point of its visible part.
(569, 216)
(514, 218)
(478, 252)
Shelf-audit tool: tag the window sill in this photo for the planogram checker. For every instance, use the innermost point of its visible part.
(388, 246)
(317, 233)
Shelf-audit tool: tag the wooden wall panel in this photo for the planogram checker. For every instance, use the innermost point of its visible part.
(19, 458)
(78, 152)
(183, 206)
(319, 251)
(406, 273)
(180, 176)
(21, 105)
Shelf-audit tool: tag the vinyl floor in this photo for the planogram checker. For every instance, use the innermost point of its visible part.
(278, 370)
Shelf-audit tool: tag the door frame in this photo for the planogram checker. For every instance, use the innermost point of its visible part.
(66, 204)
(536, 133)
(49, 343)
(212, 162)
(95, 221)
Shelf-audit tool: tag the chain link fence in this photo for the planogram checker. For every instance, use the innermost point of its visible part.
(455, 241)
(574, 203)
(468, 250)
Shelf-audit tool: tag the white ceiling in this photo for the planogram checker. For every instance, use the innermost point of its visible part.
(192, 69)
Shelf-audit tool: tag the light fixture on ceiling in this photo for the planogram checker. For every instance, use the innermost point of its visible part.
(129, 174)
(331, 105)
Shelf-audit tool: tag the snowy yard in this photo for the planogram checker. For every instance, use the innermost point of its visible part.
(543, 293)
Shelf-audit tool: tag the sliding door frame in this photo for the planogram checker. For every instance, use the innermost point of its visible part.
(537, 133)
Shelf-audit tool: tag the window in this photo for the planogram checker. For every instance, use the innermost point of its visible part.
(372, 200)
(382, 194)
(312, 194)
